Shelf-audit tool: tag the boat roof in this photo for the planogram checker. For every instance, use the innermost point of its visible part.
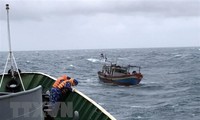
(121, 66)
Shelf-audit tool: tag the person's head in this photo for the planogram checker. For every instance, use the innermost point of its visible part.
(75, 82)
(68, 78)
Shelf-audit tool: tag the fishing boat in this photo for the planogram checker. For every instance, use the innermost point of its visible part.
(120, 75)
(25, 96)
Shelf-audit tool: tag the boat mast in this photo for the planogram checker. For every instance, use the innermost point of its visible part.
(10, 55)
(9, 40)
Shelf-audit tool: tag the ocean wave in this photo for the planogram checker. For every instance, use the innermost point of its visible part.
(170, 85)
(180, 72)
(95, 60)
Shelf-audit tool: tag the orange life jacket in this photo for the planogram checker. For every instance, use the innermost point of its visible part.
(59, 80)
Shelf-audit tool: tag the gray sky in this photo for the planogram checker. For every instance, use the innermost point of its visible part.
(100, 24)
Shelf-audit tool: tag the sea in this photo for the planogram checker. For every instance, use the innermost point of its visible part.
(169, 90)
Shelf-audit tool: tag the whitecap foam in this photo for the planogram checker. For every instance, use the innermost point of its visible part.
(93, 60)
(27, 61)
(96, 60)
(101, 104)
(178, 55)
(71, 65)
(136, 106)
(141, 106)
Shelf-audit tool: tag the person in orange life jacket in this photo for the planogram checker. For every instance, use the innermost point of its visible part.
(60, 86)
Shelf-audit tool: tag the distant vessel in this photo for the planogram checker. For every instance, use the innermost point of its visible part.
(24, 96)
(120, 75)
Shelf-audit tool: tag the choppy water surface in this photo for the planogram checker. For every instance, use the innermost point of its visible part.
(169, 90)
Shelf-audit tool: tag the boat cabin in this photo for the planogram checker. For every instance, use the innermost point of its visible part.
(116, 70)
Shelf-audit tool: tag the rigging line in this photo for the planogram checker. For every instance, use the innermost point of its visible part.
(18, 72)
(4, 70)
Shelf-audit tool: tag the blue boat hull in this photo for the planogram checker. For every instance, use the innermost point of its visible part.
(120, 80)
(131, 81)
